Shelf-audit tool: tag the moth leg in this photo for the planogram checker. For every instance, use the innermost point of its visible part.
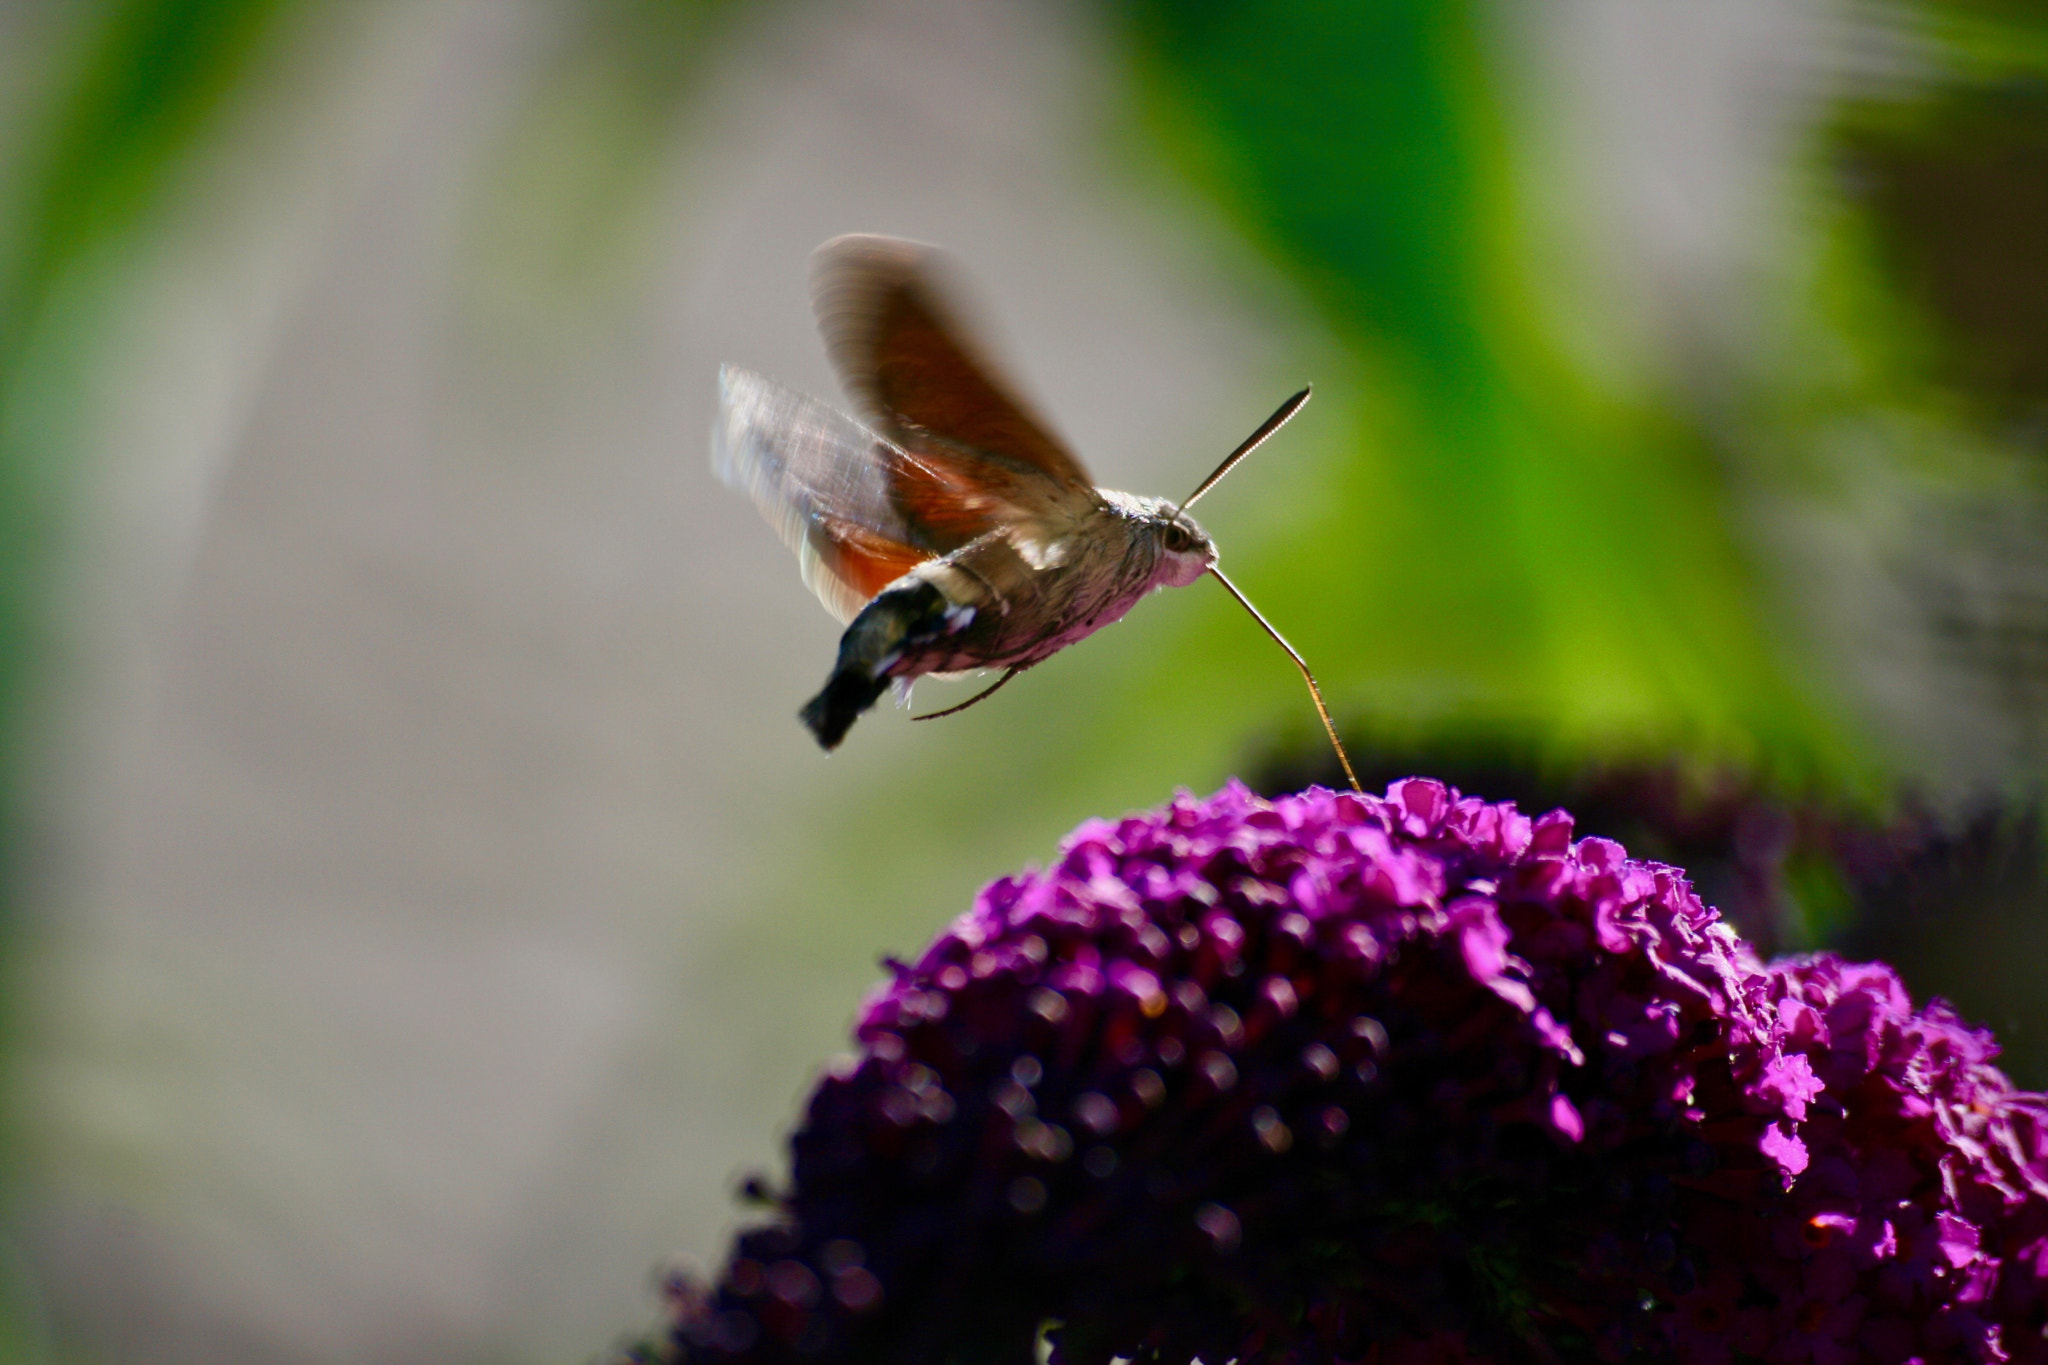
(985, 693)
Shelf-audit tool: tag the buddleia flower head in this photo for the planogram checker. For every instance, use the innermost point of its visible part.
(1416, 1078)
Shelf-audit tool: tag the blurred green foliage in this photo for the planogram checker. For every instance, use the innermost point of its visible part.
(147, 76)
(140, 81)
(1562, 558)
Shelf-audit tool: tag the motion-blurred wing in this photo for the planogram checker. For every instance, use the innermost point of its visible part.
(822, 482)
(909, 367)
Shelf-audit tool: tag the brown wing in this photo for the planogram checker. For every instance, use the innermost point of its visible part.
(907, 363)
(857, 558)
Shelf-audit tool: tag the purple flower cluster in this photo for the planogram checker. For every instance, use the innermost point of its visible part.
(1413, 1079)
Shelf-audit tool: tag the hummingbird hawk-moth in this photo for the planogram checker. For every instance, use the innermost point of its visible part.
(948, 527)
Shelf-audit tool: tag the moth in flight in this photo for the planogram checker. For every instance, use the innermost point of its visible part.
(947, 527)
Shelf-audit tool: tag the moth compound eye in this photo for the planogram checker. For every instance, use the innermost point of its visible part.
(1177, 538)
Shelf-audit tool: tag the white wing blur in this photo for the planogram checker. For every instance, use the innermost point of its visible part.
(811, 471)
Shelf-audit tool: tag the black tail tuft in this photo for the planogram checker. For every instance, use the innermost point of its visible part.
(847, 693)
(898, 620)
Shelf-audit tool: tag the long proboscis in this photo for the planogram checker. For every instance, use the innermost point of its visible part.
(1249, 444)
(1315, 693)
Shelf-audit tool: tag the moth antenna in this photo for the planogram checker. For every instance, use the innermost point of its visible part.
(1315, 693)
(1247, 446)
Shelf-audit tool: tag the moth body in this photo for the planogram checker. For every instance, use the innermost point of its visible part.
(1031, 600)
(996, 603)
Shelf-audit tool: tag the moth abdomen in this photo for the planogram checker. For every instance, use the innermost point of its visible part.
(900, 621)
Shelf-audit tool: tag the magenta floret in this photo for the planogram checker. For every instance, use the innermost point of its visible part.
(1341, 1078)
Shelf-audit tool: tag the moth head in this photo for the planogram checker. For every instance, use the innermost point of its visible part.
(1185, 550)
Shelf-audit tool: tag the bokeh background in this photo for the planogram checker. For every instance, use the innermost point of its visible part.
(422, 908)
